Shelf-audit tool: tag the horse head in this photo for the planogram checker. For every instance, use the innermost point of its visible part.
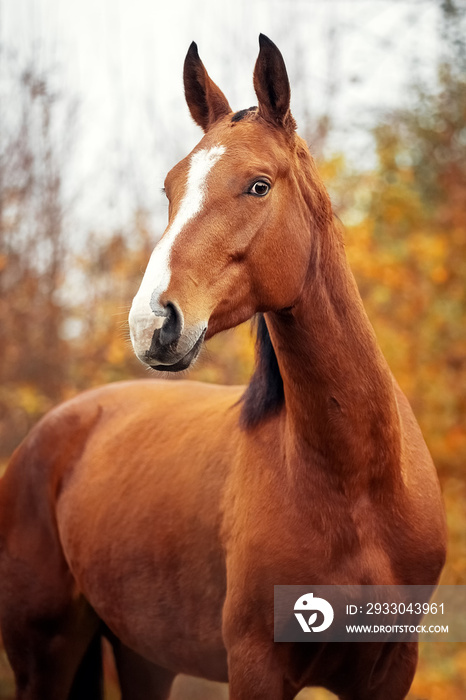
(238, 240)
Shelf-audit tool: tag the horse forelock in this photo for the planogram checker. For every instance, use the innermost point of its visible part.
(239, 116)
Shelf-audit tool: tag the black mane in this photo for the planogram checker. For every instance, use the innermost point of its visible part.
(238, 116)
(264, 394)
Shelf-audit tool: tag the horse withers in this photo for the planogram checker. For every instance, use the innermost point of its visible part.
(161, 514)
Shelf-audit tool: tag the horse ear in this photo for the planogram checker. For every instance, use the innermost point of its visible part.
(272, 85)
(206, 101)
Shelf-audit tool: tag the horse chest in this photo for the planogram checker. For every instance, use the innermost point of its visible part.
(304, 533)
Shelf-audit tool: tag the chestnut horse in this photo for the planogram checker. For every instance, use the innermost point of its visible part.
(161, 514)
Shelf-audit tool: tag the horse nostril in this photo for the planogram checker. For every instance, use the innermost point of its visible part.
(172, 325)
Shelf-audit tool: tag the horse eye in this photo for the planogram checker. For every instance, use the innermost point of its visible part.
(259, 188)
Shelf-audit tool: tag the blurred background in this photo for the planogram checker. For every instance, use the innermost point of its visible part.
(92, 116)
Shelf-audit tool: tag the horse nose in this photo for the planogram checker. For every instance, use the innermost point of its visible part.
(172, 325)
(165, 339)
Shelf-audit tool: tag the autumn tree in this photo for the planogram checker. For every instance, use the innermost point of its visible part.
(35, 127)
(409, 252)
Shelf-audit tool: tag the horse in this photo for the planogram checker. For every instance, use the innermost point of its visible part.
(161, 514)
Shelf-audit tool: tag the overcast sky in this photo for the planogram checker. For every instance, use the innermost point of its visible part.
(123, 60)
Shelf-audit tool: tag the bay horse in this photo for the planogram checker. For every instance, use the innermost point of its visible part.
(161, 514)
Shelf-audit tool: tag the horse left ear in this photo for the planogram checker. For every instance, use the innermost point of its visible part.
(272, 85)
(206, 101)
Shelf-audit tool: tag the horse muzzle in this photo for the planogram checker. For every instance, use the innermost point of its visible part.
(162, 341)
(167, 358)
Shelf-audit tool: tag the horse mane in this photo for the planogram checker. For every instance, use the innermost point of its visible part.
(264, 394)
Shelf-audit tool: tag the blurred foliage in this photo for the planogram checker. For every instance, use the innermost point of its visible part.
(408, 252)
(63, 315)
(34, 145)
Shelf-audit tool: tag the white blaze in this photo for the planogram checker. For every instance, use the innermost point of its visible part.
(144, 319)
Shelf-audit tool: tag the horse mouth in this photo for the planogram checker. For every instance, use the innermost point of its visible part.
(185, 361)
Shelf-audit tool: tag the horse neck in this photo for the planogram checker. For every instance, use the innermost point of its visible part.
(340, 405)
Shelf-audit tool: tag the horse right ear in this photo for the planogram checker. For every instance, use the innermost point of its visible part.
(272, 85)
(206, 101)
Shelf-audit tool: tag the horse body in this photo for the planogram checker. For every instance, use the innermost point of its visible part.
(169, 490)
(168, 511)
